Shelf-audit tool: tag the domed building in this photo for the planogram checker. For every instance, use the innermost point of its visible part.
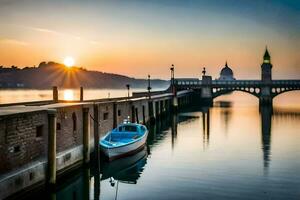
(226, 74)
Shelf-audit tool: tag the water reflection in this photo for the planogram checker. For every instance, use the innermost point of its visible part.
(266, 123)
(226, 115)
(159, 130)
(174, 129)
(206, 126)
(86, 183)
(68, 95)
(126, 170)
(173, 160)
(73, 188)
(97, 184)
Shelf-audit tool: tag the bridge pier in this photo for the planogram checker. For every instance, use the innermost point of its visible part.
(265, 101)
(265, 97)
(206, 91)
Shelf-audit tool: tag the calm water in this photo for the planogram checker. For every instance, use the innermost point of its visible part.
(232, 155)
(218, 153)
(235, 152)
(21, 95)
(290, 99)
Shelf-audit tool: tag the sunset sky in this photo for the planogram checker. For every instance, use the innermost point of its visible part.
(139, 37)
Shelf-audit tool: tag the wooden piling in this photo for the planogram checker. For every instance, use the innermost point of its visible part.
(151, 112)
(133, 114)
(96, 136)
(51, 175)
(161, 106)
(115, 117)
(55, 93)
(156, 110)
(174, 104)
(144, 117)
(81, 93)
(97, 153)
(86, 135)
(137, 115)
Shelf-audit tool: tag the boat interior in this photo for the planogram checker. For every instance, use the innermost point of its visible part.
(124, 134)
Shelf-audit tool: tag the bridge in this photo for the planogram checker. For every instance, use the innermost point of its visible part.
(265, 89)
(253, 87)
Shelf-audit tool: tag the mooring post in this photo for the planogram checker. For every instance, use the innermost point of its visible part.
(97, 157)
(55, 93)
(115, 117)
(96, 136)
(81, 93)
(156, 110)
(86, 135)
(133, 114)
(174, 104)
(161, 106)
(151, 111)
(137, 115)
(144, 117)
(51, 175)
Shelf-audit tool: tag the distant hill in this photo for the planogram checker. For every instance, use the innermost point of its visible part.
(51, 74)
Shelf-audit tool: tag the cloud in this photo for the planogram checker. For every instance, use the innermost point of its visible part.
(54, 32)
(14, 42)
(45, 30)
(93, 42)
(48, 31)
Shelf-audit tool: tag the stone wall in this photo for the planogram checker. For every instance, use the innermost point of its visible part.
(105, 117)
(141, 109)
(123, 111)
(69, 127)
(24, 136)
(23, 139)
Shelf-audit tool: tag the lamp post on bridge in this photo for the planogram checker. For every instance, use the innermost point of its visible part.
(203, 71)
(172, 79)
(174, 100)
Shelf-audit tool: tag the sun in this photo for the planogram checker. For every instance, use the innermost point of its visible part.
(69, 61)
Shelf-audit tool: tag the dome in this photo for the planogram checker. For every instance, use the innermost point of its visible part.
(226, 71)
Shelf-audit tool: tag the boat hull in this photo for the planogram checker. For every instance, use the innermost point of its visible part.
(126, 150)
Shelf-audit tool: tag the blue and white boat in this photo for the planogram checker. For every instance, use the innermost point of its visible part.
(125, 140)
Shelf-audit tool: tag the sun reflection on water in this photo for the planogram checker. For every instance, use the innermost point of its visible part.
(68, 95)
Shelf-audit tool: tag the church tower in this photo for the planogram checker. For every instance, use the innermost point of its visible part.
(266, 68)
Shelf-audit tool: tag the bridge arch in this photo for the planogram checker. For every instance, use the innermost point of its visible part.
(223, 91)
(277, 91)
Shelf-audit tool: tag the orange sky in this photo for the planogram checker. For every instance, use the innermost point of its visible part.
(136, 38)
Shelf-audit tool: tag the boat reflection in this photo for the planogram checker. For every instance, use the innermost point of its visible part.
(126, 170)
(94, 184)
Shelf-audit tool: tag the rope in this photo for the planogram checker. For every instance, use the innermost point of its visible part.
(95, 120)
